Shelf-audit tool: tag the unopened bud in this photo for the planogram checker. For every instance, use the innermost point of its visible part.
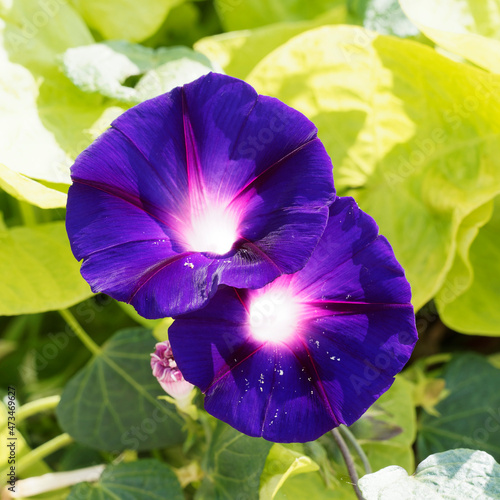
(168, 374)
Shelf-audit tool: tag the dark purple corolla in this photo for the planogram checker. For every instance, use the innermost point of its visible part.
(208, 184)
(311, 350)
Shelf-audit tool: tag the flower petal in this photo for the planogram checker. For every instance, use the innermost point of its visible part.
(339, 356)
(239, 134)
(294, 183)
(173, 178)
(150, 276)
(338, 267)
(89, 211)
(356, 356)
(115, 166)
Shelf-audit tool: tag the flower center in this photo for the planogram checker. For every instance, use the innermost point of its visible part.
(212, 229)
(273, 316)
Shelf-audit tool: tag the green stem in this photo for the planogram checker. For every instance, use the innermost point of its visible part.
(43, 451)
(34, 407)
(80, 332)
(359, 450)
(348, 461)
(435, 359)
(27, 213)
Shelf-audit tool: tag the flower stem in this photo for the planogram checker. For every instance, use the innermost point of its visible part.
(28, 214)
(34, 407)
(54, 481)
(80, 332)
(43, 451)
(362, 455)
(348, 461)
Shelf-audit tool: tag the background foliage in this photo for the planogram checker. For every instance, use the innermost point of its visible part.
(406, 97)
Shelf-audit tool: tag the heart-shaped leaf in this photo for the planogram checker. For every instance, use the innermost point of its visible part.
(112, 404)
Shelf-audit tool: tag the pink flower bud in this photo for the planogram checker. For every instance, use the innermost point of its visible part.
(168, 374)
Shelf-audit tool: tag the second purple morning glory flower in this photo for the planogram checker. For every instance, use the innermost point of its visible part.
(310, 350)
(209, 184)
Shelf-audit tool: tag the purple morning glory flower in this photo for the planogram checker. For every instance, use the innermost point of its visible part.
(311, 350)
(208, 184)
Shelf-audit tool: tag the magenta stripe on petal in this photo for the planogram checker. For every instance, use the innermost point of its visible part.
(211, 171)
(310, 350)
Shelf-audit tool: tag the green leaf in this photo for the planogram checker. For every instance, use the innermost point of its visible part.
(112, 404)
(388, 429)
(413, 135)
(130, 311)
(6, 347)
(45, 122)
(74, 118)
(36, 30)
(311, 486)
(475, 424)
(238, 14)
(23, 136)
(104, 67)
(125, 19)
(144, 479)
(26, 189)
(282, 463)
(468, 28)
(233, 465)
(450, 475)
(181, 66)
(468, 301)
(239, 52)
(39, 272)
(385, 17)
(386, 433)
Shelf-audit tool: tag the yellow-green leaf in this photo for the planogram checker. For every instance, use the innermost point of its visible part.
(39, 272)
(244, 14)
(388, 429)
(413, 136)
(468, 301)
(25, 189)
(34, 31)
(45, 121)
(104, 67)
(125, 19)
(282, 463)
(468, 28)
(238, 52)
